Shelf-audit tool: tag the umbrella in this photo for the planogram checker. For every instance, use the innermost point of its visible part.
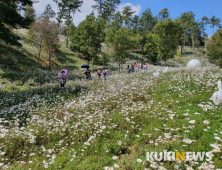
(85, 66)
(60, 73)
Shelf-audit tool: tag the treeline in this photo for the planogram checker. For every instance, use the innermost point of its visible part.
(156, 37)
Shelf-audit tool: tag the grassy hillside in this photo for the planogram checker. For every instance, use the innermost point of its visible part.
(20, 65)
(113, 123)
(105, 124)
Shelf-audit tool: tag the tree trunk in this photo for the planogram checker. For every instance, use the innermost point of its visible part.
(50, 55)
(88, 62)
(184, 39)
(40, 48)
(67, 41)
(192, 42)
(119, 67)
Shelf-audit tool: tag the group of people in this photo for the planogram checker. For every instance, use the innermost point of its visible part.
(99, 72)
(140, 65)
(104, 72)
(135, 64)
(87, 73)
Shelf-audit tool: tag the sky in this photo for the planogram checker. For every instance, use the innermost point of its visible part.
(200, 8)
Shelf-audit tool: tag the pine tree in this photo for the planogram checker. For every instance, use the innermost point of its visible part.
(48, 13)
(10, 17)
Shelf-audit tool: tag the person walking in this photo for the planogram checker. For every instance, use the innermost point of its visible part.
(99, 73)
(132, 69)
(105, 72)
(63, 79)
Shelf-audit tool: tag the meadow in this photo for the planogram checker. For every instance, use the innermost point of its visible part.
(112, 124)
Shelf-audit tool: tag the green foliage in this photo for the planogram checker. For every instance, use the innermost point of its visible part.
(127, 15)
(106, 8)
(135, 22)
(104, 57)
(179, 53)
(164, 14)
(214, 22)
(219, 62)
(35, 36)
(136, 39)
(197, 29)
(205, 21)
(147, 20)
(48, 12)
(187, 20)
(178, 57)
(66, 11)
(120, 42)
(67, 8)
(120, 39)
(30, 13)
(167, 38)
(88, 37)
(150, 48)
(214, 47)
(11, 18)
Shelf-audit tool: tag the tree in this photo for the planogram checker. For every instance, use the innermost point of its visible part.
(119, 39)
(88, 37)
(106, 8)
(196, 31)
(35, 36)
(127, 15)
(168, 34)
(214, 22)
(48, 12)
(67, 9)
(164, 14)
(147, 23)
(214, 47)
(147, 20)
(187, 20)
(11, 18)
(50, 37)
(150, 48)
(135, 22)
(44, 33)
(30, 13)
(218, 22)
(205, 39)
(206, 21)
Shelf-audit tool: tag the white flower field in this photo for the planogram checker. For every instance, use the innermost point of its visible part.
(112, 124)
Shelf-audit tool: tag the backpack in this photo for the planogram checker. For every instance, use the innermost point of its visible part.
(104, 72)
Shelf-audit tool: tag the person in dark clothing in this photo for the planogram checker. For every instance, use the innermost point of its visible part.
(63, 79)
(132, 69)
(87, 74)
(127, 69)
